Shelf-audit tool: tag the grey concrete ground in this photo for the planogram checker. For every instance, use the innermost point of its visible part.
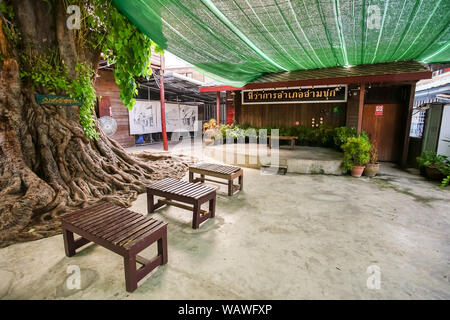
(283, 237)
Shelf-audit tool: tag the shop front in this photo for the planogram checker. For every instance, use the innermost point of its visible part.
(376, 99)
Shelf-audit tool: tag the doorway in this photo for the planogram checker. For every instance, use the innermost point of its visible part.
(384, 124)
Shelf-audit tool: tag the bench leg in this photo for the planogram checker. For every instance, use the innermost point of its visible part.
(69, 243)
(191, 176)
(241, 182)
(230, 187)
(196, 216)
(202, 178)
(150, 203)
(130, 273)
(162, 247)
(212, 207)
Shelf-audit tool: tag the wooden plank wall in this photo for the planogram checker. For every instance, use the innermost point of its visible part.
(352, 107)
(105, 85)
(286, 115)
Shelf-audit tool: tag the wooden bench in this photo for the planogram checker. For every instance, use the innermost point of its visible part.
(229, 173)
(175, 191)
(120, 230)
(292, 138)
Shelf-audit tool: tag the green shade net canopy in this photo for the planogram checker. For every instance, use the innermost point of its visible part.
(236, 41)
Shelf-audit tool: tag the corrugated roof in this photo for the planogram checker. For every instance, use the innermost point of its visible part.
(389, 68)
(380, 72)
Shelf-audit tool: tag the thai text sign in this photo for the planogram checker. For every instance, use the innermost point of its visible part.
(316, 94)
(379, 110)
(48, 99)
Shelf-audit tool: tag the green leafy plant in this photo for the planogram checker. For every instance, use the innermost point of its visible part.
(81, 89)
(432, 159)
(446, 172)
(356, 152)
(440, 162)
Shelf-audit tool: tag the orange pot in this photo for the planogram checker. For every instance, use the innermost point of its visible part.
(357, 171)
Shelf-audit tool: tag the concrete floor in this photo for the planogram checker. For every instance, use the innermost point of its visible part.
(283, 237)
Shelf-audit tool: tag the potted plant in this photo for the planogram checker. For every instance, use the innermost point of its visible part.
(373, 166)
(431, 165)
(356, 155)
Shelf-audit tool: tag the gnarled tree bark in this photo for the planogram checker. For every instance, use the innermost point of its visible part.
(47, 165)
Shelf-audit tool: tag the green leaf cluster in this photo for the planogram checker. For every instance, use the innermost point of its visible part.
(128, 49)
(440, 162)
(356, 152)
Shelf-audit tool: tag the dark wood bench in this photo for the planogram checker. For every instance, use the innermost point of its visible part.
(291, 138)
(120, 230)
(194, 194)
(229, 173)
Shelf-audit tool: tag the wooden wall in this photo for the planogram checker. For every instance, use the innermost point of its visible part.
(286, 115)
(352, 107)
(387, 130)
(105, 86)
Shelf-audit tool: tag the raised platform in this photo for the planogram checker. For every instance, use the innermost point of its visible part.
(308, 160)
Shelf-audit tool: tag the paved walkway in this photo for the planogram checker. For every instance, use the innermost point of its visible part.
(284, 237)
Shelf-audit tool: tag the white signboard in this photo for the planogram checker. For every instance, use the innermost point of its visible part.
(181, 118)
(145, 117)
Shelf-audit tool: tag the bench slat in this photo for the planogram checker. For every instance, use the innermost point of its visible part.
(119, 227)
(78, 214)
(130, 231)
(142, 235)
(95, 218)
(110, 221)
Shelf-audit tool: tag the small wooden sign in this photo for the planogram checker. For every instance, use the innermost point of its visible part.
(379, 110)
(53, 100)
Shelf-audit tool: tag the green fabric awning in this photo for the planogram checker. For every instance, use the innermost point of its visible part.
(236, 41)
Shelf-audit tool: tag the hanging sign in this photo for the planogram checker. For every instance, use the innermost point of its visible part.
(49, 99)
(316, 94)
(379, 110)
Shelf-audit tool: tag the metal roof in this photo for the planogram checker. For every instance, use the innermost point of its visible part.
(372, 73)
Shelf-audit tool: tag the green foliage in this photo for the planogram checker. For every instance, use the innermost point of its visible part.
(446, 171)
(9, 29)
(431, 158)
(441, 162)
(7, 10)
(105, 29)
(125, 46)
(45, 72)
(356, 152)
(81, 89)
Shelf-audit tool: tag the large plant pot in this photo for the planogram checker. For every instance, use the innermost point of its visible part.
(433, 173)
(371, 169)
(357, 171)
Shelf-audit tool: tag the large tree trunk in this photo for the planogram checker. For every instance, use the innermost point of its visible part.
(47, 165)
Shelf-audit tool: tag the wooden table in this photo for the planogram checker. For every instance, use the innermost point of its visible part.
(292, 138)
(175, 191)
(228, 173)
(120, 230)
